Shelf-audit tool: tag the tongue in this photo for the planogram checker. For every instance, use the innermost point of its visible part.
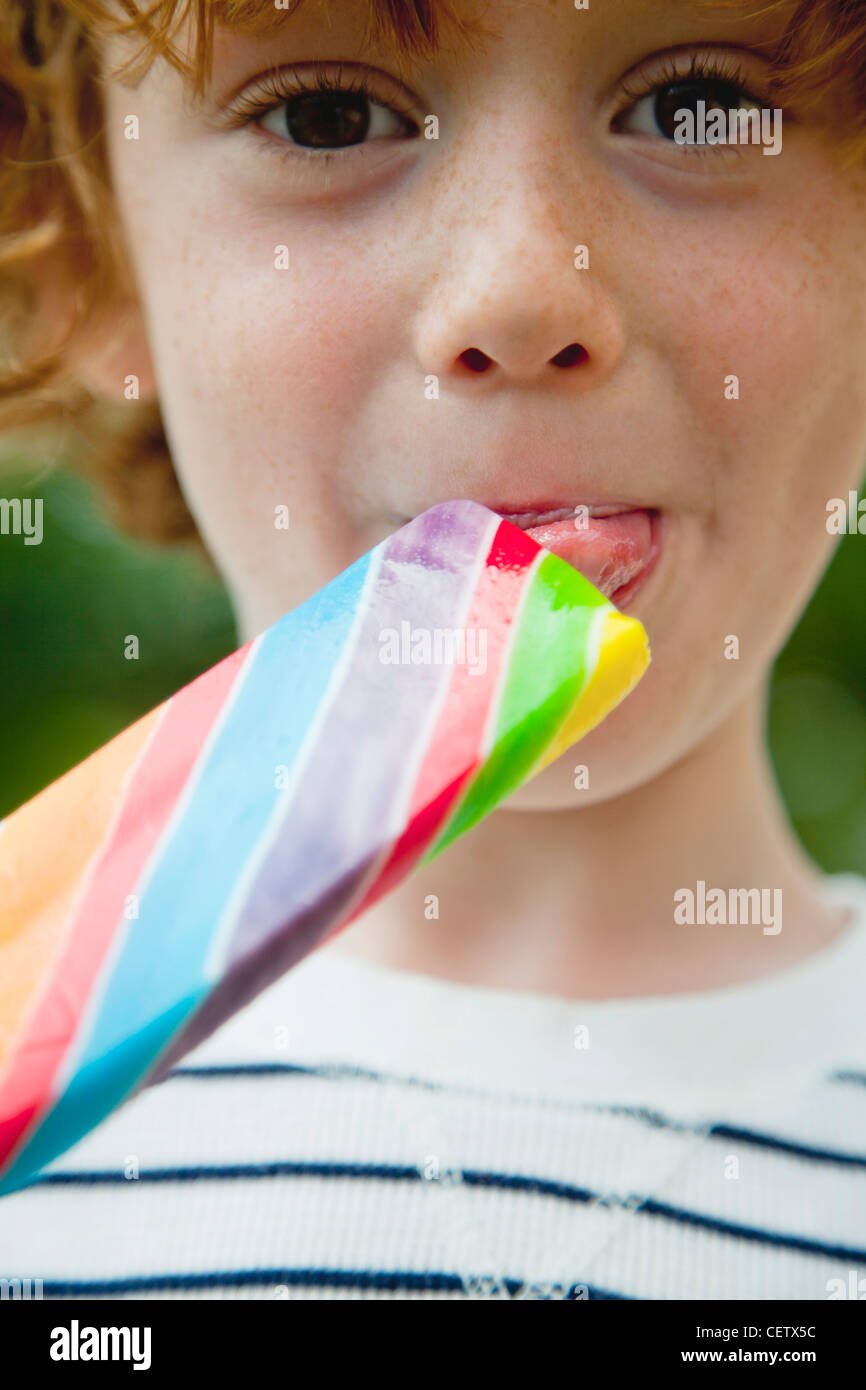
(609, 552)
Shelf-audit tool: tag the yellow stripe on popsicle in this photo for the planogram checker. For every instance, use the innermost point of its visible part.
(623, 656)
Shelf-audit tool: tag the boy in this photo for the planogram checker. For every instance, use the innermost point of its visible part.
(355, 270)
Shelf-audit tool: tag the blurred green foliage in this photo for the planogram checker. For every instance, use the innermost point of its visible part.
(67, 605)
(817, 716)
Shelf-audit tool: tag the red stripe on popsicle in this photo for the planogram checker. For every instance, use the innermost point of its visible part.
(456, 747)
(146, 802)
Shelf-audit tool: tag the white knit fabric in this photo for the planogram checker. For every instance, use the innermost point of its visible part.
(361, 1132)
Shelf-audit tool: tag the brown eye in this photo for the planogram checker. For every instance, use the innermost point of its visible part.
(332, 119)
(660, 112)
(327, 120)
(670, 101)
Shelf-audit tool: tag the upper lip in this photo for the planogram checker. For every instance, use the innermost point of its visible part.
(544, 512)
(547, 513)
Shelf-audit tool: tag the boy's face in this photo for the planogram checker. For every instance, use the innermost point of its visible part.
(308, 386)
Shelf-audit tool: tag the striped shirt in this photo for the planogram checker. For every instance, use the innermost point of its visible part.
(365, 1132)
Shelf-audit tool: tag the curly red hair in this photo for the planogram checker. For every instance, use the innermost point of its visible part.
(56, 207)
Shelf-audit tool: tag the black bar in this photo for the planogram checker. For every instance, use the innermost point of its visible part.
(246, 1336)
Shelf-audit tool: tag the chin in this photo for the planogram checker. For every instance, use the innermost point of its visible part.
(561, 788)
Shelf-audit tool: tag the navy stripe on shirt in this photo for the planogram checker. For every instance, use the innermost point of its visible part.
(392, 1281)
(514, 1182)
(652, 1118)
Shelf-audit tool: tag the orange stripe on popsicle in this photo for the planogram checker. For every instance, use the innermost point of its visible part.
(41, 872)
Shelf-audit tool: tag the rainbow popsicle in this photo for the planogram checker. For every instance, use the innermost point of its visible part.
(159, 886)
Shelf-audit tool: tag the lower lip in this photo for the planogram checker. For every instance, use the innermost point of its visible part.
(615, 553)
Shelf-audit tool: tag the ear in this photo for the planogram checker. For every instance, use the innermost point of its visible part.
(112, 353)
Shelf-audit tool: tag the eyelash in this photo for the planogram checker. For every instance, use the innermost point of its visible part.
(277, 88)
(702, 68)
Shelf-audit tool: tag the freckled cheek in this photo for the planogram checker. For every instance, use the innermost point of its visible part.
(761, 450)
(312, 333)
(752, 346)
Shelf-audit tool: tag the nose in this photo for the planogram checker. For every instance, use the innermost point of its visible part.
(509, 302)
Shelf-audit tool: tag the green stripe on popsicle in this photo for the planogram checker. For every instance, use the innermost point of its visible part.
(546, 673)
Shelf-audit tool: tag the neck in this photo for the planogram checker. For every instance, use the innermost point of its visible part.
(581, 902)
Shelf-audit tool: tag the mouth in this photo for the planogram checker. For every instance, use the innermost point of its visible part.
(615, 546)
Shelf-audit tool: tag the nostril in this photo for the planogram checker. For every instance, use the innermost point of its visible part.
(476, 360)
(570, 356)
